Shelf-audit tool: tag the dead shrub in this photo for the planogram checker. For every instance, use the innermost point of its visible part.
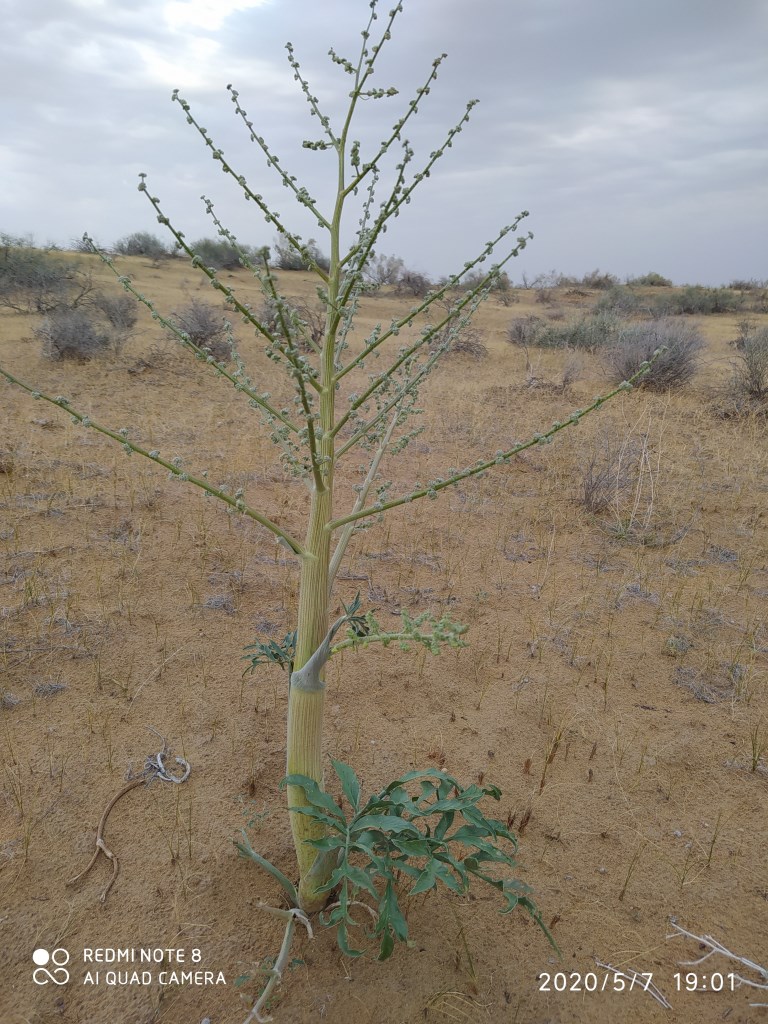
(636, 344)
(304, 324)
(205, 326)
(73, 334)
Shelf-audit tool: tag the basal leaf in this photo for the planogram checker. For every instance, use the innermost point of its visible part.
(343, 940)
(387, 946)
(349, 783)
(359, 878)
(427, 879)
(382, 822)
(444, 824)
(326, 819)
(316, 796)
(413, 847)
(394, 914)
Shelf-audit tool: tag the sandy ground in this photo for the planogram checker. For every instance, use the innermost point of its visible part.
(615, 689)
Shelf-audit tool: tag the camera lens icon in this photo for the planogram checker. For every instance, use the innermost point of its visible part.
(58, 958)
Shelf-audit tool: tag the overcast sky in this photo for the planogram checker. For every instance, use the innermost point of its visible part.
(635, 133)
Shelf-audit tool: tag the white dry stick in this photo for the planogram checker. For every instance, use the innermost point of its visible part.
(640, 979)
(276, 973)
(717, 947)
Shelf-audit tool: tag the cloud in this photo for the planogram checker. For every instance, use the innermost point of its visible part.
(615, 124)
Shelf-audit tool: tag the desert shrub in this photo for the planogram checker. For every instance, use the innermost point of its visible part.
(205, 327)
(636, 343)
(524, 329)
(383, 270)
(223, 255)
(120, 312)
(286, 257)
(411, 282)
(598, 280)
(73, 334)
(650, 280)
(500, 287)
(750, 373)
(698, 300)
(604, 473)
(744, 285)
(590, 333)
(545, 296)
(305, 323)
(141, 243)
(758, 300)
(620, 299)
(34, 281)
(469, 342)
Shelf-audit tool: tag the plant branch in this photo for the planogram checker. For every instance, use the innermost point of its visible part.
(184, 338)
(174, 467)
(197, 261)
(413, 108)
(276, 972)
(439, 293)
(714, 947)
(501, 457)
(246, 850)
(267, 282)
(407, 388)
(272, 218)
(290, 182)
(349, 529)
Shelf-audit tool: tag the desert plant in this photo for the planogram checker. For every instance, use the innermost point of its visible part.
(309, 258)
(383, 270)
(589, 333)
(599, 280)
(222, 254)
(35, 281)
(675, 367)
(608, 471)
(205, 327)
(413, 282)
(750, 372)
(650, 280)
(468, 342)
(119, 311)
(701, 301)
(524, 330)
(344, 402)
(746, 285)
(72, 334)
(142, 243)
(620, 298)
(296, 321)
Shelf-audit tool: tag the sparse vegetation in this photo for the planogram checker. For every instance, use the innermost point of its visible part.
(308, 257)
(206, 327)
(221, 254)
(636, 343)
(383, 270)
(589, 333)
(36, 281)
(141, 243)
(300, 323)
(72, 334)
(650, 280)
(412, 282)
(746, 392)
(615, 586)
(697, 300)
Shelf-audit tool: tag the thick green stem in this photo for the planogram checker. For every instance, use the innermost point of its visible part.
(306, 699)
(305, 702)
